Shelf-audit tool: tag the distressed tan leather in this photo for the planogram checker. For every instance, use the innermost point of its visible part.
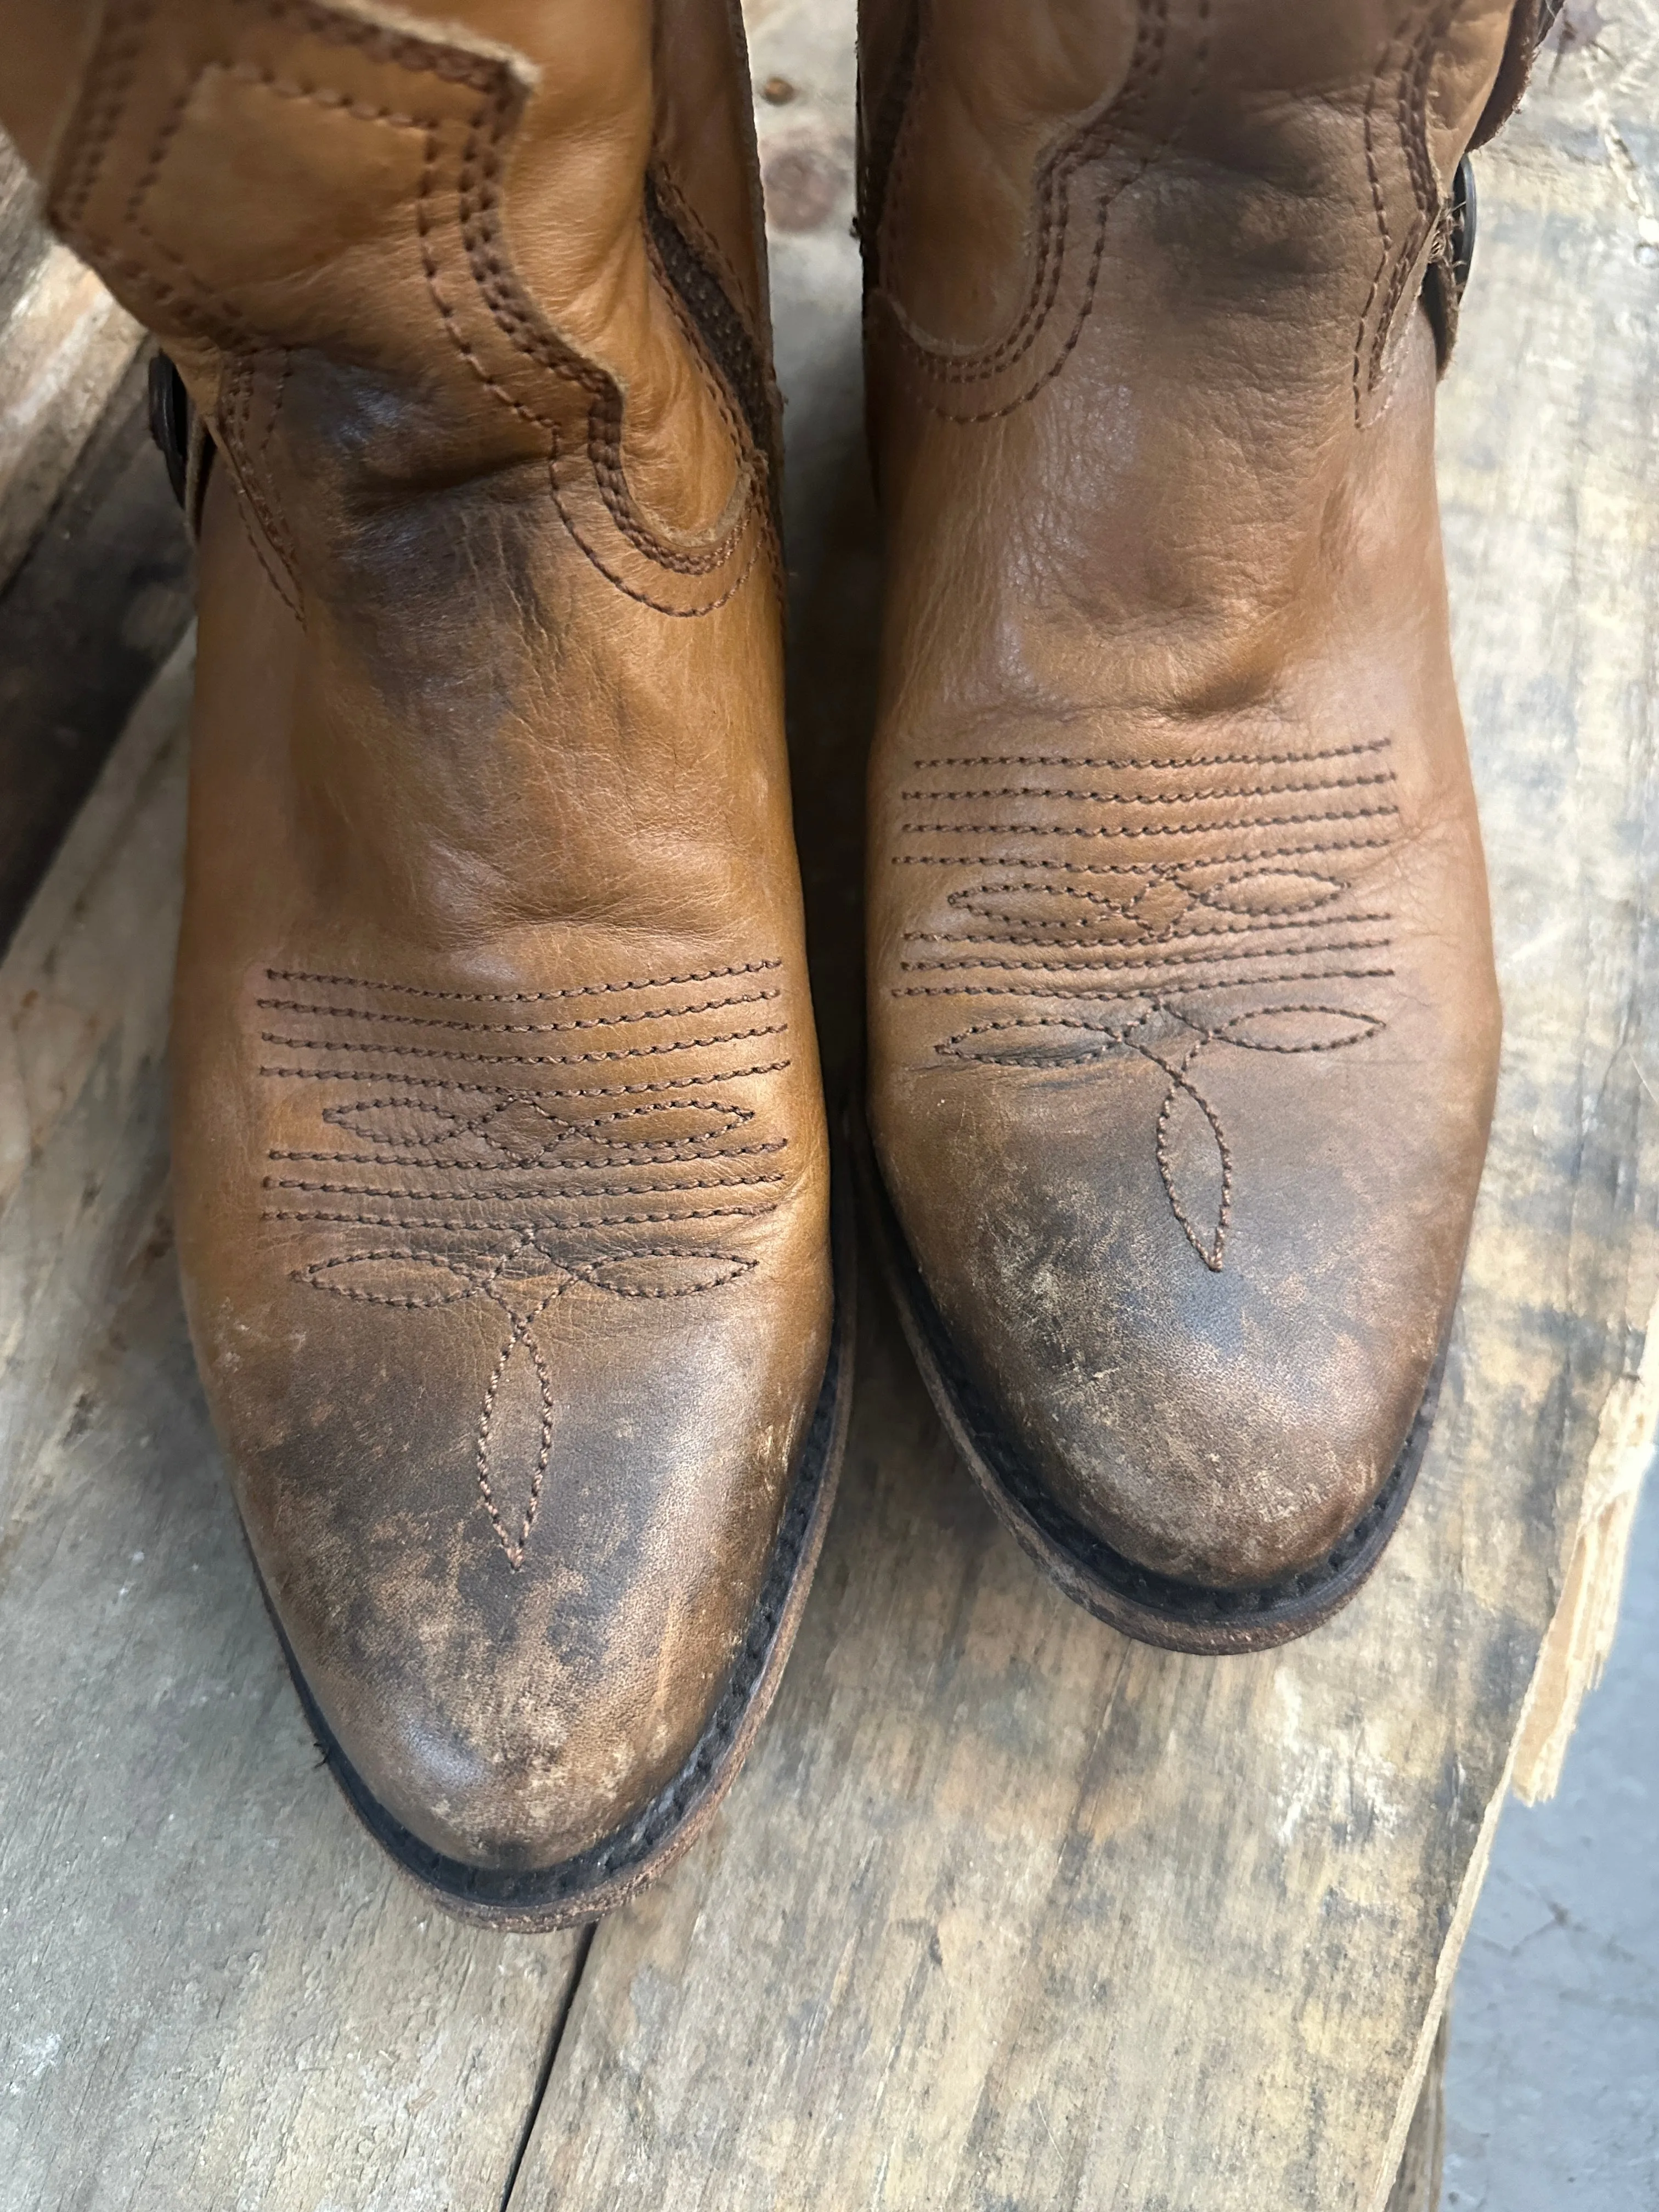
(498, 1154)
(1183, 1021)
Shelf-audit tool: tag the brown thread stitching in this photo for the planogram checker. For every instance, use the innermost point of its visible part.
(1212, 1254)
(1150, 868)
(116, 67)
(1411, 117)
(1168, 990)
(514, 1029)
(518, 1198)
(663, 1154)
(1271, 918)
(1054, 183)
(474, 1228)
(1169, 798)
(523, 998)
(928, 361)
(1154, 761)
(519, 1060)
(1154, 830)
(475, 1288)
(1153, 959)
(502, 1091)
(523, 1332)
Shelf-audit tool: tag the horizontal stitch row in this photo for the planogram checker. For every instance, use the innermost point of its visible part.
(1256, 925)
(506, 1090)
(1143, 991)
(474, 1228)
(520, 1060)
(667, 1151)
(1164, 798)
(1155, 761)
(518, 1197)
(522, 998)
(1142, 867)
(1151, 960)
(514, 1029)
(1153, 830)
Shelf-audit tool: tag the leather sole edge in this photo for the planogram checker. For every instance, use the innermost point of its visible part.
(1139, 1603)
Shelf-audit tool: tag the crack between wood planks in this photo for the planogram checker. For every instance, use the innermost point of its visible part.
(549, 2057)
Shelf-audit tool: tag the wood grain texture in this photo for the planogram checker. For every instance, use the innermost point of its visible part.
(1007, 1914)
(99, 599)
(64, 346)
(214, 1990)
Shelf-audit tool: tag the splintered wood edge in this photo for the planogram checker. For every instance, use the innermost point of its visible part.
(1580, 1637)
(1571, 1660)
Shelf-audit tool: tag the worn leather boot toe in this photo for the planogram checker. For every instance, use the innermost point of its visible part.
(1183, 1022)
(502, 1176)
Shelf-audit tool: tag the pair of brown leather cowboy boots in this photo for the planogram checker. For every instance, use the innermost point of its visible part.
(502, 1172)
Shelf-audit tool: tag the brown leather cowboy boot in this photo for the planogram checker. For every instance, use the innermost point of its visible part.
(501, 1167)
(1183, 1022)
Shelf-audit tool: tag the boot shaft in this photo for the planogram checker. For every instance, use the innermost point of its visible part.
(451, 239)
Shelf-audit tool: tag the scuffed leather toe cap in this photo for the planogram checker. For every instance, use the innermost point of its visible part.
(1210, 1362)
(515, 1575)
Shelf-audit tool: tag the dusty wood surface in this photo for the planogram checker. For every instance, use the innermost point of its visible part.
(214, 1992)
(94, 571)
(1006, 1914)
(64, 346)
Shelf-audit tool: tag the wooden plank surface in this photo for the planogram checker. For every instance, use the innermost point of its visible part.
(64, 346)
(1008, 1913)
(214, 1990)
(94, 570)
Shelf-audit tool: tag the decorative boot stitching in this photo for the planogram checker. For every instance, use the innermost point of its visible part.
(200, 312)
(1397, 259)
(505, 1215)
(1205, 948)
(1125, 121)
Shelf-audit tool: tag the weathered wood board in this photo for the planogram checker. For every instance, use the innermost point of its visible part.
(214, 1991)
(1005, 1913)
(1008, 1913)
(94, 570)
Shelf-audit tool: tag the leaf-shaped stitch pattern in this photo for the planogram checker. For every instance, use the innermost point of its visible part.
(1298, 1028)
(410, 1123)
(1196, 1165)
(1123, 908)
(1268, 890)
(528, 1131)
(664, 1274)
(1046, 1040)
(515, 1433)
(402, 1277)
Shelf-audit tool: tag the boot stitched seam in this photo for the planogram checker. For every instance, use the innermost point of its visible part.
(1054, 188)
(515, 1247)
(451, 64)
(532, 1059)
(493, 1198)
(523, 998)
(664, 1151)
(1410, 118)
(515, 1029)
(1152, 760)
(230, 427)
(496, 1089)
(1109, 867)
(1151, 830)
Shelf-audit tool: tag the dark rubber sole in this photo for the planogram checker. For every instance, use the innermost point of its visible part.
(1153, 1608)
(606, 1875)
